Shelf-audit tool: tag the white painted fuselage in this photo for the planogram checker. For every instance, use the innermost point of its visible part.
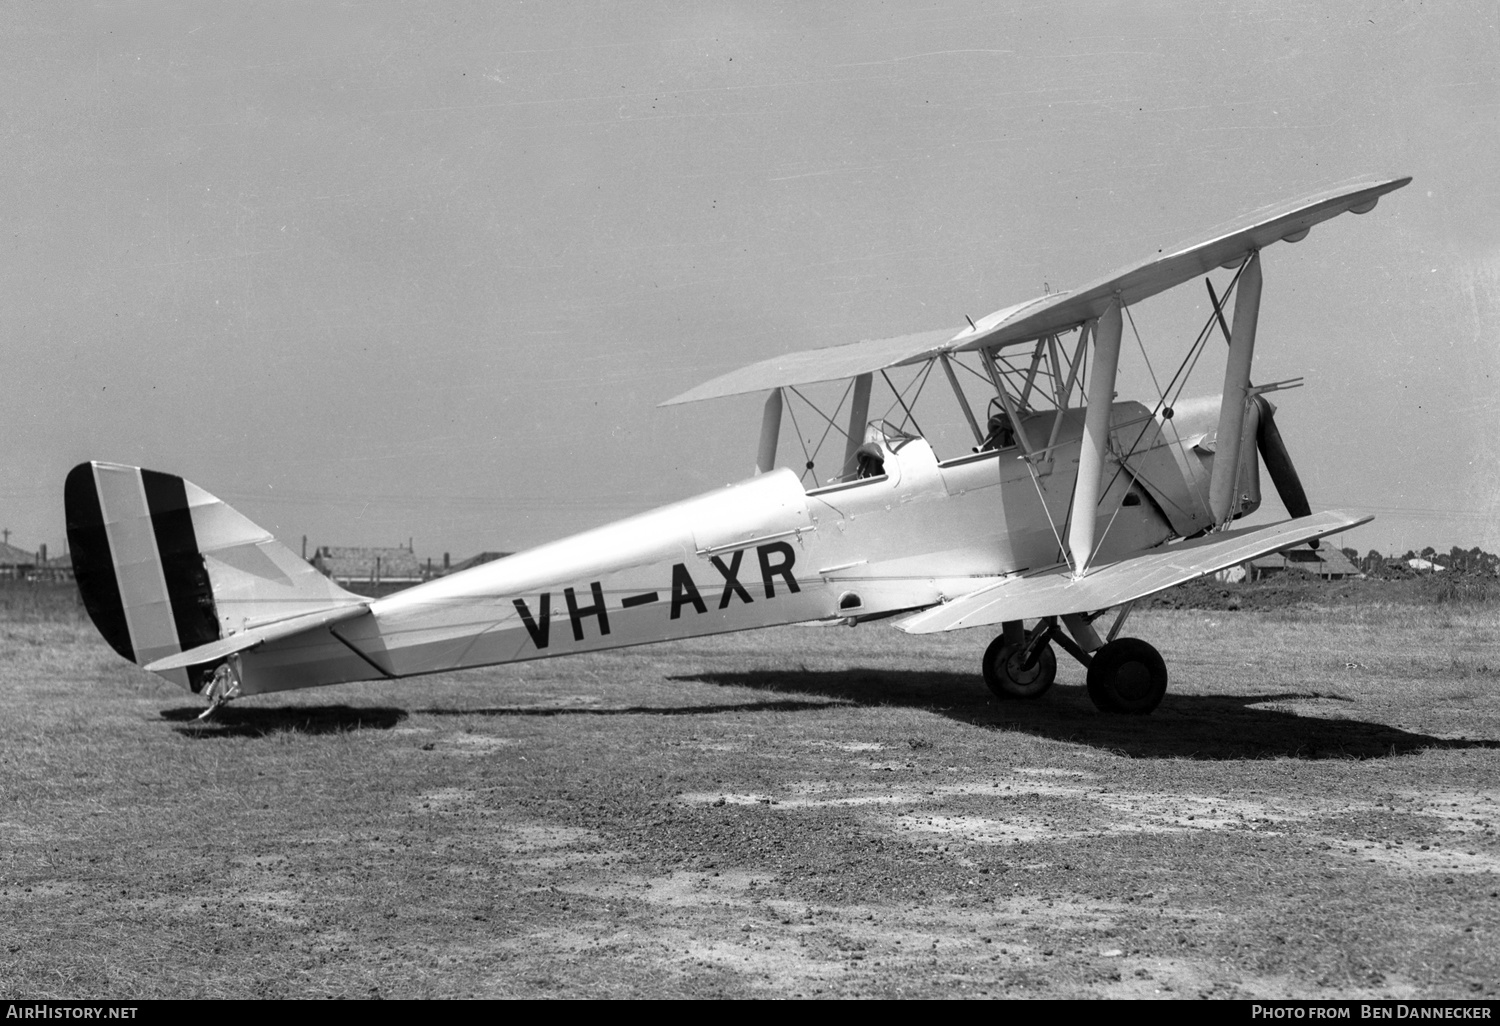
(768, 551)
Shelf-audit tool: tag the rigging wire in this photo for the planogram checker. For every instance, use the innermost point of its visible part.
(953, 358)
(831, 425)
(1037, 484)
(814, 407)
(792, 409)
(1142, 347)
(1179, 380)
(1120, 467)
(904, 408)
(921, 384)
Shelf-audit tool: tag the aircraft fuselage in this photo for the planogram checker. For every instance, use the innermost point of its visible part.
(768, 551)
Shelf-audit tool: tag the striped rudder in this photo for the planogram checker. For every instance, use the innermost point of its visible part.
(164, 567)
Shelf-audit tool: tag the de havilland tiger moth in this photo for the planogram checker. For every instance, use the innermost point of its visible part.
(1068, 505)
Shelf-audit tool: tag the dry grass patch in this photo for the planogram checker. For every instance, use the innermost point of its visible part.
(1311, 813)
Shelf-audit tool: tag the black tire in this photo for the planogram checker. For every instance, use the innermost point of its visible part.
(1127, 676)
(1008, 679)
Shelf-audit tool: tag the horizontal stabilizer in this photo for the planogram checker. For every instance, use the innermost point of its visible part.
(216, 650)
(1054, 592)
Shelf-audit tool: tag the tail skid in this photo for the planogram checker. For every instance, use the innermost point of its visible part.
(166, 569)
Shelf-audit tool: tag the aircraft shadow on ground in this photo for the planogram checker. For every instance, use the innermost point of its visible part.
(1185, 726)
(787, 705)
(250, 721)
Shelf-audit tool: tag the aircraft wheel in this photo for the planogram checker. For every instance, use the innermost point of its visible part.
(1008, 678)
(1127, 676)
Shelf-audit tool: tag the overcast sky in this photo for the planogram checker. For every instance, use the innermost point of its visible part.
(376, 271)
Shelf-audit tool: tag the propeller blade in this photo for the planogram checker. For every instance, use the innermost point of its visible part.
(1278, 463)
(1268, 440)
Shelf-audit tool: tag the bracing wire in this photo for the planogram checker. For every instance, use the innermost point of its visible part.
(814, 407)
(1037, 484)
(832, 425)
(904, 408)
(1179, 380)
(808, 469)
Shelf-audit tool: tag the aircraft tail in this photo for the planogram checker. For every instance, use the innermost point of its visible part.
(164, 567)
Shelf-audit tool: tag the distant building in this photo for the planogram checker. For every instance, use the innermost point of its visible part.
(1424, 565)
(20, 565)
(472, 561)
(1326, 562)
(16, 564)
(352, 564)
(58, 568)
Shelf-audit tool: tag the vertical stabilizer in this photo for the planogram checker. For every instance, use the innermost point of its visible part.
(164, 567)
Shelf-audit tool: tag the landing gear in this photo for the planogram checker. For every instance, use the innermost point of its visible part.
(1006, 670)
(1127, 676)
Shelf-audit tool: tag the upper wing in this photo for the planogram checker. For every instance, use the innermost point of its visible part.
(1054, 592)
(1057, 312)
(1288, 222)
(811, 365)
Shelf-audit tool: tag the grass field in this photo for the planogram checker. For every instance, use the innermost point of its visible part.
(804, 811)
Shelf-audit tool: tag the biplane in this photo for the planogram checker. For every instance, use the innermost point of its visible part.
(1063, 505)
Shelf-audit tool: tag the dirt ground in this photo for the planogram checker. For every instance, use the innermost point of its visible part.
(798, 812)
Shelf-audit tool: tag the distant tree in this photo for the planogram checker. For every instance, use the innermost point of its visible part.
(1458, 559)
(1373, 561)
(1428, 553)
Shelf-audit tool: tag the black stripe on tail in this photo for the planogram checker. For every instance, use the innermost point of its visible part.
(93, 565)
(188, 585)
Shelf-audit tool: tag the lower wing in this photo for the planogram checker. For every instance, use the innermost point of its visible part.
(1055, 592)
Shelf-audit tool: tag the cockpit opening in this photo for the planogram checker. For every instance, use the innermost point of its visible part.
(1000, 432)
(869, 461)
